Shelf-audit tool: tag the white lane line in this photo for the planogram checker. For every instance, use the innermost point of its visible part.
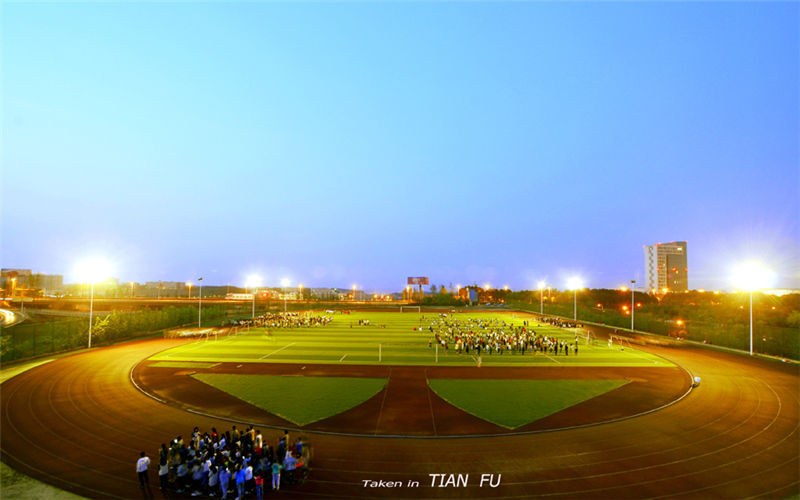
(279, 350)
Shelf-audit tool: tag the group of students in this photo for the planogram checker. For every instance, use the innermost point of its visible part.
(233, 462)
(285, 320)
(487, 336)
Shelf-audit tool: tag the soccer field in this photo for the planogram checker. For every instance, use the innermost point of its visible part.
(390, 339)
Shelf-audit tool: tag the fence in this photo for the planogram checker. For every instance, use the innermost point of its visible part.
(771, 340)
(28, 340)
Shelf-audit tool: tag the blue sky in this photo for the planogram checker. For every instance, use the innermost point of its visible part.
(359, 142)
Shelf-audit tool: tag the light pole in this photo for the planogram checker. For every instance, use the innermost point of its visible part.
(200, 302)
(541, 298)
(253, 282)
(575, 284)
(633, 306)
(753, 276)
(284, 284)
(93, 271)
(189, 286)
(131, 289)
(751, 322)
(91, 306)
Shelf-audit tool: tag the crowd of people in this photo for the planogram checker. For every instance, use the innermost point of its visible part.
(285, 320)
(492, 335)
(236, 463)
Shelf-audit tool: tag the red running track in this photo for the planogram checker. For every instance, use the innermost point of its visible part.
(78, 423)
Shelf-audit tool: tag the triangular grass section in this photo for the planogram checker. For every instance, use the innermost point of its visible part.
(514, 403)
(300, 400)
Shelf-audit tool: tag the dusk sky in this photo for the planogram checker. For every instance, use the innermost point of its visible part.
(361, 143)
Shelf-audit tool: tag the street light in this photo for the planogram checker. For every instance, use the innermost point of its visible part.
(189, 285)
(575, 283)
(633, 309)
(199, 301)
(752, 276)
(541, 298)
(300, 292)
(355, 287)
(284, 284)
(253, 281)
(92, 271)
(131, 289)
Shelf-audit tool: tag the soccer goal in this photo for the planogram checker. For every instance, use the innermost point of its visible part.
(417, 309)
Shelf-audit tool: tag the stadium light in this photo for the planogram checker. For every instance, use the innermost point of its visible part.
(188, 285)
(751, 276)
(575, 283)
(284, 284)
(633, 309)
(253, 281)
(92, 271)
(199, 302)
(541, 298)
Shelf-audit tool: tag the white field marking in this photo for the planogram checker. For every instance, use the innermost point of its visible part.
(633, 351)
(553, 359)
(279, 350)
(342, 358)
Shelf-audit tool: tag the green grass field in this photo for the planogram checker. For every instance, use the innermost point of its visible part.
(514, 403)
(343, 341)
(300, 400)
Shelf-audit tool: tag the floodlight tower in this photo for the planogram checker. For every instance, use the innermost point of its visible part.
(199, 302)
(633, 305)
(284, 284)
(253, 281)
(541, 298)
(92, 271)
(753, 276)
(575, 283)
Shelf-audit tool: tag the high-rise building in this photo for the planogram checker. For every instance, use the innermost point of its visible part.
(666, 267)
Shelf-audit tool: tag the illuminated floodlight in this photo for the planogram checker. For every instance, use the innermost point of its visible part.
(285, 282)
(753, 275)
(487, 286)
(574, 283)
(93, 270)
(253, 281)
(541, 285)
(505, 287)
(623, 289)
(188, 283)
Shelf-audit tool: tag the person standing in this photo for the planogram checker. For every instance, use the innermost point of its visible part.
(259, 487)
(141, 470)
(163, 475)
(276, 475)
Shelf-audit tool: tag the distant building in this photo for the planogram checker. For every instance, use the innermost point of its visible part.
(26, 282)
(666, 267)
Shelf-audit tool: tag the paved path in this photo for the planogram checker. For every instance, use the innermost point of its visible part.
(78, 423)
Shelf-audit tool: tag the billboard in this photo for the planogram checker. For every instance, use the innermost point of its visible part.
(422, 280)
